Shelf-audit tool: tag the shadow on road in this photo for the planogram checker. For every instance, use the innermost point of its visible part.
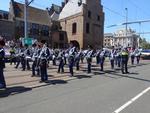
(126, 75)
(13, 90)
(82, 76)
(54, 82)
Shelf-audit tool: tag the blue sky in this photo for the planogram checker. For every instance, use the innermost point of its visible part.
(114, 12)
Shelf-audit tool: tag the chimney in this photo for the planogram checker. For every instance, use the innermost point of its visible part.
(63, 4)
(66, 1)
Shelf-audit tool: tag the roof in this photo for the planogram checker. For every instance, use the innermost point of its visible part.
(71, 8)
(56, 8)
(55, 16)
(35, 15)
(2, 11)
(108, 34)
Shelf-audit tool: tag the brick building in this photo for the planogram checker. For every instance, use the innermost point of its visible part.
(59, 36)
(83, 20)
(38, 23)
(79, 21)
(6, 26)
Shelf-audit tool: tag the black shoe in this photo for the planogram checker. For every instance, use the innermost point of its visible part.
(32, 75)
(46, 81)
(123, 73)
(41, 81)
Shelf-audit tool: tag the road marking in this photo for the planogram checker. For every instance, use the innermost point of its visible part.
(131, 101)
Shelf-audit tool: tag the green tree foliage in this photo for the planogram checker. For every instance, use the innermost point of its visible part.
(144, 43)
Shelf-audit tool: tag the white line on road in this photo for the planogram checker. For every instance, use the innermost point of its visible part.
(131, 101)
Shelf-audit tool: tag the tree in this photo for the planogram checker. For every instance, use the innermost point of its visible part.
(144, 43)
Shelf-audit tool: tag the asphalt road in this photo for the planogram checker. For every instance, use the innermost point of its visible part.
(109, 92)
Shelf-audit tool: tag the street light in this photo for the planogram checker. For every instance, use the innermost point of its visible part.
(27, 3)
(126, 9)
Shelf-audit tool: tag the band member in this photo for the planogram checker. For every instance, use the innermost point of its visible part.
(19, 56)
(27, 57)
(137, 55)
(60, 58)
(2, 64)
(97, 56)
(36, 51)
(118, 57)
(44, 55)
(71, 57)
(89, 58)
(112, 56)
(132, 55)
(77, 59)
(102, 59)
(124, 61)
(12, 56)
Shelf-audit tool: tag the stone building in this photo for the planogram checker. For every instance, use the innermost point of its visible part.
(83, 20)
(108, 40)
(126, 39)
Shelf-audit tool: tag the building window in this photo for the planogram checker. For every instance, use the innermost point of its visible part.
(61, 45)
(74, 28)
(45, 30)
(98, 18)
(5, 16)
(34, 28)
(61, 36)
(1, 16)
(89, 14)
(87, 28)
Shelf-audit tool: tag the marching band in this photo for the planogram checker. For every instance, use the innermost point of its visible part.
(40, 56)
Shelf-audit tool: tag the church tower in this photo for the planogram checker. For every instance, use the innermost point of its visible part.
(83, 20)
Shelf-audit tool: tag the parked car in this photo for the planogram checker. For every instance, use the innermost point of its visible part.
(145, 54)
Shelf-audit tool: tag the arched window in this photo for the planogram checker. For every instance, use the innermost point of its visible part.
(74, 28)
(89, 14)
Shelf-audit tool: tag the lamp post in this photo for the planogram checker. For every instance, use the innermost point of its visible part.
(27, 3)
(126, 9)
(25, 19)
(126, 30)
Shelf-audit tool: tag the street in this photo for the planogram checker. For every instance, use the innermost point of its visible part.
(98, 92)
